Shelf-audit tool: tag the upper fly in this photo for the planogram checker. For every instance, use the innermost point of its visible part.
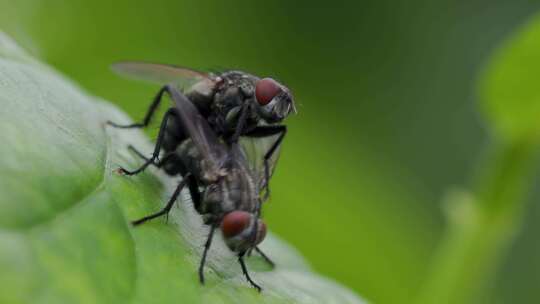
(235, 105)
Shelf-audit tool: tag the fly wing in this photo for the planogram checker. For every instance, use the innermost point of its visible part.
(255, 149)
(205, 140)
(160, 73)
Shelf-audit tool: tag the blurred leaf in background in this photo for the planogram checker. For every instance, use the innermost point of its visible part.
(386, 119)
(510, 98)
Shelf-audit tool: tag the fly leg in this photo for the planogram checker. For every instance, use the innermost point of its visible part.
(139, 153)
(149, 114)
(245, 272)
(190, 179)
(157, 148)
(194, 191)
(157, 164)
(265, 257)
(167, 207)
(240, 124)
(205, 252)
(266, 131)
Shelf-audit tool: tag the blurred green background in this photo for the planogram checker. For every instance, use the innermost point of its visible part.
(387, 117)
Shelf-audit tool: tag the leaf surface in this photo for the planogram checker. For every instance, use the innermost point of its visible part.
(65, 235)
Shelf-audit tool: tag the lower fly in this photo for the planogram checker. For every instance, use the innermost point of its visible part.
(223, 188)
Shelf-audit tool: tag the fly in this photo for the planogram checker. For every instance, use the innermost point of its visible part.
(235, 104)
(223, 188)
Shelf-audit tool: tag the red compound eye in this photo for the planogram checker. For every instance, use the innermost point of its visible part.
(265, 90)
(234, 223)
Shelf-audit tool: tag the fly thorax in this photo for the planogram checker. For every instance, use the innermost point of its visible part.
(240, 191)
(231, 118)
(212, 200)
(227, 107)
(227, 99)
(210, 173)
(247, 89)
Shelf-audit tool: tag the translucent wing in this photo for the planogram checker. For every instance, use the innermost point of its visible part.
(199, 131)
(256, 149)
(160, 73)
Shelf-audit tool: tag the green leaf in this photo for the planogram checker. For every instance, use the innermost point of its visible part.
(65, 235)
(509, 85)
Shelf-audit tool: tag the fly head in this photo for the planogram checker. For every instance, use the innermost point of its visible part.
(242, 230)
(274, 101)
(267, 99)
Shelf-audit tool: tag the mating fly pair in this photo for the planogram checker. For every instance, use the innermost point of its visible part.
(199, 136)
